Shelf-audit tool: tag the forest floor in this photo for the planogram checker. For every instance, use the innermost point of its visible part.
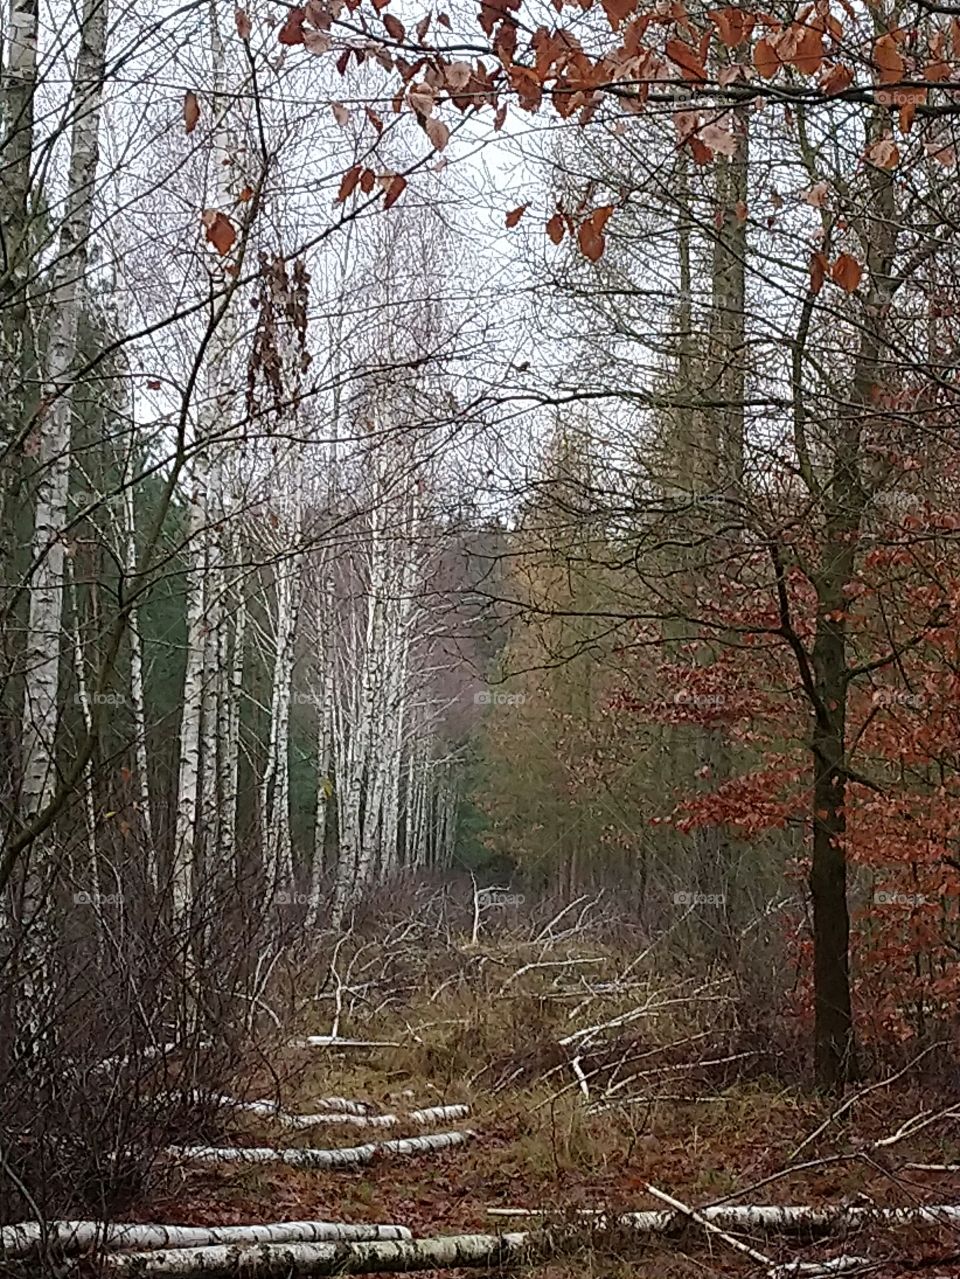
(663, 1094)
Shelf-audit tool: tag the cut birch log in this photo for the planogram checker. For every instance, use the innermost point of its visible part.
(346, 1156)
(813, 1269)
(78, 1236)
(775, 1218)
(333, 1041)
(287, 1119)
(274, 1261)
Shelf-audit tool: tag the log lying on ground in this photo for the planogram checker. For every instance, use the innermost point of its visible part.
(327, 1115)
(273, 1261)
(774, 1218)
(78, 1236)
(338, 1158)
(334, 1041)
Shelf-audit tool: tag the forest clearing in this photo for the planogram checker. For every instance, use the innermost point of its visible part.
(589, 1118)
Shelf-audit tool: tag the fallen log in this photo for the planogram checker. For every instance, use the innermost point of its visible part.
(775, 1218)
(275, 1261)
(334, 1041)
(327, 1114)
(24, 1238)
(345, 1156)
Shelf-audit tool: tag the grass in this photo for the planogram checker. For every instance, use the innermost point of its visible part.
(475, 1032)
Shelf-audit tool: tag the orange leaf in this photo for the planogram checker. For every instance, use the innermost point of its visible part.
(220, 230)
(245, 195)
(907, 112)
(555, 228)
(846, 272)
(686, 59)
(191, 111)
(886, 57)
(395, 190)
(515, 215)
(765, 59)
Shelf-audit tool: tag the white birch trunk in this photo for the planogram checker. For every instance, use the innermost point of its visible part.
(137, 702)
(47, 549)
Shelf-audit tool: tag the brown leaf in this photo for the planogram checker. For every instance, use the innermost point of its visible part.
(883, 153)
(374, 119)
(316, 42)
(348, 183)
(719, 139)
(220, 230)
(689, 63)
(515, 215)
(368, 180)
(732, 25)
(153, 384)
(457, 75)
(292, 30)
(395, 190)
(191, 111)
(846, 272)
(245, 195)
(395, 28)
(618, 11)
(422, 98)
(556, 228)
(591, 241)
(765, 59)
(340, 114)
(905, 119)
(437, 132)
(600, 217)
(242, 19)
(818, 271)
(836, 79)
(816, 195)
(886, 58)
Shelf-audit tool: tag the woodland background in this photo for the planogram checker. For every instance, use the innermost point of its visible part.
(508, 458)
